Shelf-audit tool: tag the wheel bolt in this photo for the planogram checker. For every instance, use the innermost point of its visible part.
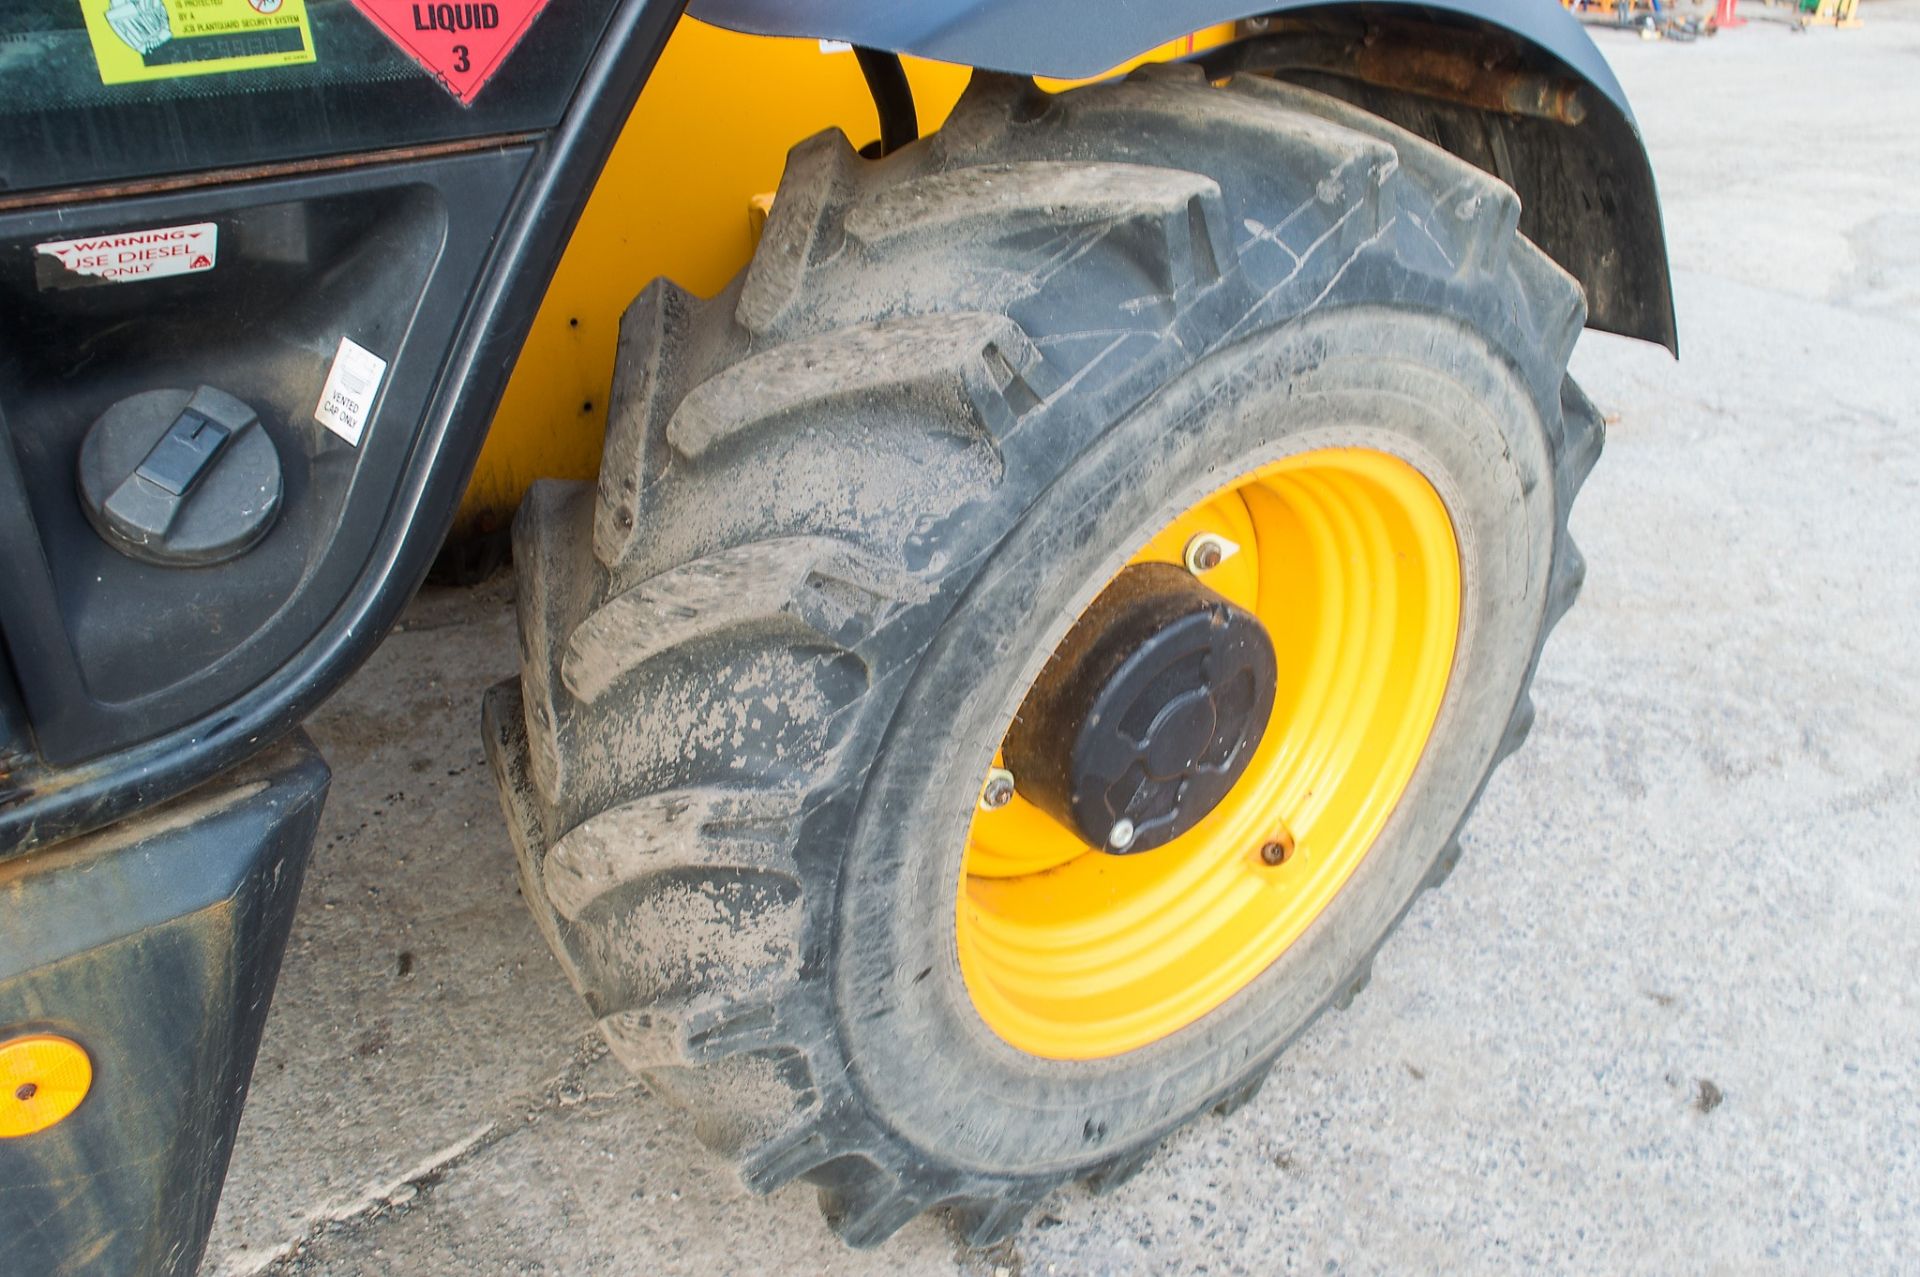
(1120, 837)
(998, 791)
(1207, 551)
(1279, 851)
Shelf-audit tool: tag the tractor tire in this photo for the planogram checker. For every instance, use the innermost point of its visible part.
(849, 508)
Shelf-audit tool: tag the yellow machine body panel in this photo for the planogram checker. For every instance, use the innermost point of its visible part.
(706, 140)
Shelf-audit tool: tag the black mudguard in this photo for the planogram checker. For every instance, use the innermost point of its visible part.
(1078, 38)
(154, 946)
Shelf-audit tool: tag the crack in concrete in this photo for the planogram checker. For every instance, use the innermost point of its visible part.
(566, 1089)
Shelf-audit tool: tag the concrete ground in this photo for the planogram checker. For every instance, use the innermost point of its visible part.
(1664, 1018)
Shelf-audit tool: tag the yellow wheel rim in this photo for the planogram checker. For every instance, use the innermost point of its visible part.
(1348, 558)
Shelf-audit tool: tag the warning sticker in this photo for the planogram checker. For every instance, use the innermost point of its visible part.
(164, 39)
(462, 44)
(125, 256)
(347, 399)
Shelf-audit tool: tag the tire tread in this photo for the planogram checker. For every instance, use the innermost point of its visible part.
(691, 566)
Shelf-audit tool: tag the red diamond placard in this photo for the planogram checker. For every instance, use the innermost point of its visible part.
(462, 44)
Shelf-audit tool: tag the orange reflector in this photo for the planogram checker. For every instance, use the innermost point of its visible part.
(42, 1079)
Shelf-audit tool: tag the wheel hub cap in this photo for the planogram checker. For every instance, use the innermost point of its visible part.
(1149, 713)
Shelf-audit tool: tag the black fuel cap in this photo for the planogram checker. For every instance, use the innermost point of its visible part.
(1150, 710)
(180, 478)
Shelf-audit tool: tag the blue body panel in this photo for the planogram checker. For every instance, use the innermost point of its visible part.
(1056, 37)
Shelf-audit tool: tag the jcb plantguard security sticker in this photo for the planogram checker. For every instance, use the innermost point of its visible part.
(462, 44)
(163, 39)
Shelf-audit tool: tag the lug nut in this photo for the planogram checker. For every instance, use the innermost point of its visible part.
(998, 791)
(1120, 837)
(1279, 851)
(1207, 551)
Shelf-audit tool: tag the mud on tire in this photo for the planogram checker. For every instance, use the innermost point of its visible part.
(729, 760)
